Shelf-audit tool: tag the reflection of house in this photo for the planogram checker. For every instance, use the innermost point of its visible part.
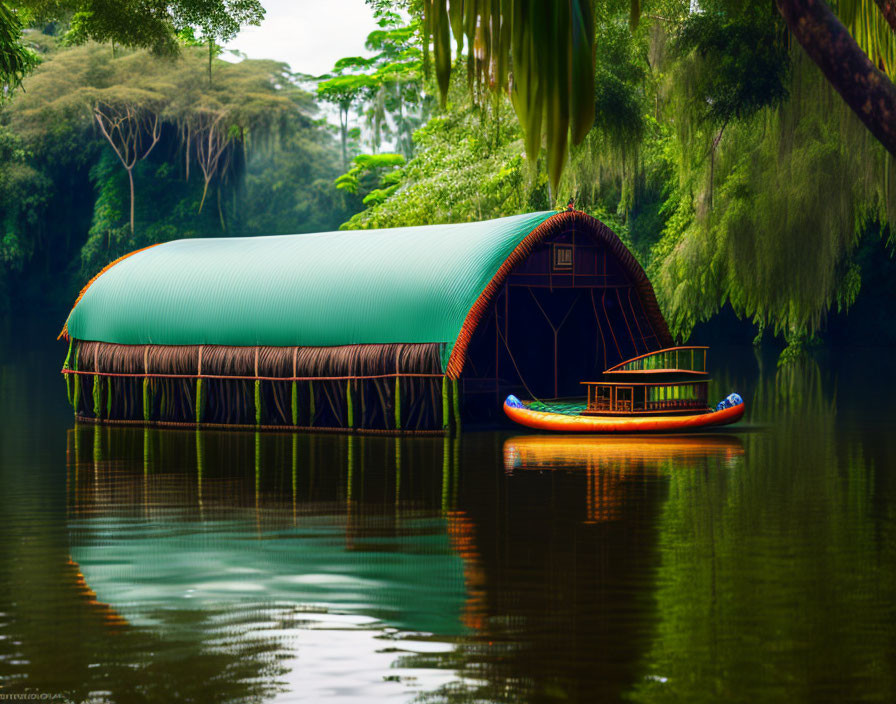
(148, 538)
(523, 588)
(369, 330)
(610, 460)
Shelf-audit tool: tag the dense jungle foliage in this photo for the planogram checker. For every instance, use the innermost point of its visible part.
(717, 149)
(107, 150)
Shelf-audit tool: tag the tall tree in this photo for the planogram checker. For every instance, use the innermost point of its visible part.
(549, 50)
(133, 132)
(344, 90)
(217, 20)
(149, 24)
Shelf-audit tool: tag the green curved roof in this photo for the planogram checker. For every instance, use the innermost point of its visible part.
(411, 284)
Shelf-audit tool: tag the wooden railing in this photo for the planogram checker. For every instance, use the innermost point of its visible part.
(688, 358)
(635, 397)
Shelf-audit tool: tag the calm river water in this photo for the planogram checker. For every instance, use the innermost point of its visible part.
(757, 564)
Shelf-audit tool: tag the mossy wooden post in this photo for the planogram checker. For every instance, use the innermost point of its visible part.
(199, 388)
(257, 392)
(397, 402)
(455, 404)
(97, 391)
(446, 408)
(350, 408)
(68, 382)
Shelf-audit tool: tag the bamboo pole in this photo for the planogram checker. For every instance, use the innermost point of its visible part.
(97, 390)
(68, 386)
(350, 412)
(455, 398)
(446, 414)
(97, 398)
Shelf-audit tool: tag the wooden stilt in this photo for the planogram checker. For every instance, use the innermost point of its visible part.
(350, 408)
(68, 384)
(446, 412)
(97, 397)
(455, 397)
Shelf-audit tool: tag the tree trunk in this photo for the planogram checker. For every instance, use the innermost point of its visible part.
(131, 180)
(888, 8)
(202, 201)
(211, 46)
(865, 89)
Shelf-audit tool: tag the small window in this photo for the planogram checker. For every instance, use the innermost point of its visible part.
(562, 257)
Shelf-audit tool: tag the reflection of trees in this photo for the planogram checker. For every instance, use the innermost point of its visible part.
(772, 576)
(565, 539)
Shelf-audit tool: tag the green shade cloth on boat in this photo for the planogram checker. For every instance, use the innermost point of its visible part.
(411, 285)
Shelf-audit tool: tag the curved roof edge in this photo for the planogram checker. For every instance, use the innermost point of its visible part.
(63, 334)
(554, 225)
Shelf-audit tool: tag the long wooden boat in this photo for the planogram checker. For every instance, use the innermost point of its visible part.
(663, 391)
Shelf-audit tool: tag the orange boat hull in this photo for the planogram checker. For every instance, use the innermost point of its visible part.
(622, 424)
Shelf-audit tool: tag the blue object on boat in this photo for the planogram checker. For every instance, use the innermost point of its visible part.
(729, 401)
(513, 402)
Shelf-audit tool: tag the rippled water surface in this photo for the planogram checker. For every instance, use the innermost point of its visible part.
(758, 564)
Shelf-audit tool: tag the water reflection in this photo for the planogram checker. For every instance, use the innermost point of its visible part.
(609, 461)
(170, 565)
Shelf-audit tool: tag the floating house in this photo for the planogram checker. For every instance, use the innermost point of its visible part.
(415, 329)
